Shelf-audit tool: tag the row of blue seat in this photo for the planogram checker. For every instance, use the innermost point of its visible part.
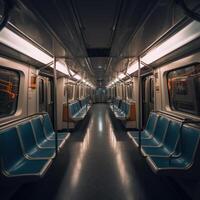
(27, 147)
(84, 102)
(170, 146)
(79, 109)
(121, 109)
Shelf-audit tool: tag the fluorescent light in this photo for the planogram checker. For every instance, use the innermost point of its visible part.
(116, 80)
(134, 67)
(14, 41)
(184, 36)
(121, 76)
(77, 77)
(11, 39)
(71, 72)
(61, 68)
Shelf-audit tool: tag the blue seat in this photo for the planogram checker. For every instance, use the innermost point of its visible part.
(40, 133)
(42, 142)
(115, 105)
(30, 145)
(41, 139)
(49, 132)
(122, 112)
(169, 144)
(71, 110)
(79, 113)
(127, 109)
(37, 124)
(149, 129)
(118, 111)
(159, 134)
(185, 161)
(14, 164)
(85, 105)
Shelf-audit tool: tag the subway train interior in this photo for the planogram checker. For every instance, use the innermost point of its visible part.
(99, 99)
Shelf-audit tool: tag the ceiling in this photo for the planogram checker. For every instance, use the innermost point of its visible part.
(94, 31)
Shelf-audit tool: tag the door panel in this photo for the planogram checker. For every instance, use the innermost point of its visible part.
(46, 95)
(147, 98)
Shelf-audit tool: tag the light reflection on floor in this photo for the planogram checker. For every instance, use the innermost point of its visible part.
(125, 178)
(78, 164)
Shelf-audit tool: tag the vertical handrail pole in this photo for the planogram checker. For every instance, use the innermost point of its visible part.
(139, 102)
(67, 107)
(55, 103)
(115, 95)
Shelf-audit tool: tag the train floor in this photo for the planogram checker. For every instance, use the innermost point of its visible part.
(99, 162)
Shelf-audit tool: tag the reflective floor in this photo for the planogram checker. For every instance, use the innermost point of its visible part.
(99, 162)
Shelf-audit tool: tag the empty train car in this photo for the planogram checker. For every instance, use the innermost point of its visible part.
(99, 99)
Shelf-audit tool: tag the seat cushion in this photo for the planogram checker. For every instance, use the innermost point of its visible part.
(29, 168)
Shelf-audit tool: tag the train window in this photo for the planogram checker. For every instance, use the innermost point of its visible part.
(70, 91)
(9, 90)
(41, 91)
(151, 90)
(49, 92)
(130, 91)
(82, 92)
(76, 92)
(183, 88)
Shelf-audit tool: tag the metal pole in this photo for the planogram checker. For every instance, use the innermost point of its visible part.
(113, 98)
(115, 95)
(139, 102)
(55, 104)
(67, 107)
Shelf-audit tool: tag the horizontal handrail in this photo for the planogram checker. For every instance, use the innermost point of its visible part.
(5, 125)
(170, 114)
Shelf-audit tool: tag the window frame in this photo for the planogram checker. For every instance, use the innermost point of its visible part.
(172, 109)
(130, 90)
(18, 89)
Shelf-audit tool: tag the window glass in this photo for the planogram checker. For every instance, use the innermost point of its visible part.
(122, 91)
(9, 90)
(70, 91)
(77, 92)
(41, 91)
(183, 88)
(49, 91)
(151, 90)
(82, 92)
(130, 91)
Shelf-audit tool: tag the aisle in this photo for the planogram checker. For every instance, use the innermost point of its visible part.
(95, 165)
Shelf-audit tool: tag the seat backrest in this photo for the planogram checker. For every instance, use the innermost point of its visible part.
(47, 125)
(118, 103)
(122, 106)
(161, 128)
(172, 135)
(78, 107)
(189, 142)
(10, 147)
(71, 109)
(38, 129)
(84, 102)
(127, 109)
(75, 108)
(151, 123)
(27, 136)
